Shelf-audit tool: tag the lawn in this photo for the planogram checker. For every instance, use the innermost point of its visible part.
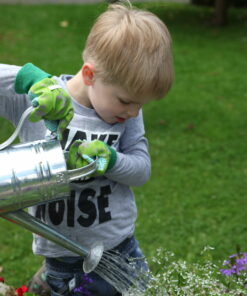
(197, 193)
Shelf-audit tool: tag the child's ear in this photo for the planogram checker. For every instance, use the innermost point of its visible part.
(88, 72)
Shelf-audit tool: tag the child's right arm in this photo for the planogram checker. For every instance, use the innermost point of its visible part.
(49, 100)
(8, 96)
(7, 79)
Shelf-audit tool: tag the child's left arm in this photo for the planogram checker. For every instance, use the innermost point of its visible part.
(133, 165)
(130, 165)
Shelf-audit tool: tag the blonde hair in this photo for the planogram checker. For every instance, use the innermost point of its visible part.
(131, 48)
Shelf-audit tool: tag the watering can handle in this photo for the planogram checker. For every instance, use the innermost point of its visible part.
(51, 125)
(15, 134)
(83, 172)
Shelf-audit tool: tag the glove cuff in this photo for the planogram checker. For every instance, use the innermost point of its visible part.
(113, 158)
(27, 76)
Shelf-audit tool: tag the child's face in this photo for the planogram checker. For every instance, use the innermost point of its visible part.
(112, 103)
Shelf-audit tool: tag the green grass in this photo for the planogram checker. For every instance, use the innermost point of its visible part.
(197, 192)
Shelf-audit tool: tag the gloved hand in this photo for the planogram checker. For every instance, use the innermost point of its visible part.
(81, 153)
(50, 100)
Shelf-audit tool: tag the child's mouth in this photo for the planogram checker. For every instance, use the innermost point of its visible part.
(120, 119)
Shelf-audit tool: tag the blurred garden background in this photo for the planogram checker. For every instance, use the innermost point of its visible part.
(197, 135)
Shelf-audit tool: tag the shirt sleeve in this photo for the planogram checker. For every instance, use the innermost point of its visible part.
(10, 101)
(133, 166)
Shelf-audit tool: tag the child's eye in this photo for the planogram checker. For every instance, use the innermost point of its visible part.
(123, 102)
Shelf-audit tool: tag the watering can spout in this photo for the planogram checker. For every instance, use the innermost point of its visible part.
(91, 256)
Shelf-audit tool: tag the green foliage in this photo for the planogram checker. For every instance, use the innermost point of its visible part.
(197, 192)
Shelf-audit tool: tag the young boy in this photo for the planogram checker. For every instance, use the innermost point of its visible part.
(127, 63)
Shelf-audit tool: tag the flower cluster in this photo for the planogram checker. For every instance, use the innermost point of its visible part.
(82, 289)
(180, 278)
(235, 271)
(236, 264)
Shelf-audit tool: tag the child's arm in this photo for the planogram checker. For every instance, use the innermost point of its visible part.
(50, 100)
(133, 166)
(130, 166)
(21, 85)
(8, 97)
(7, 79)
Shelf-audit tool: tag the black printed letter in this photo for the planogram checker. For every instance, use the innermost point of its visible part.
(103, 203)
(87, 207)
(56, 211)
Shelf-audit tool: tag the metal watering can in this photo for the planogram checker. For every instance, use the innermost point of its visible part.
(34, 173)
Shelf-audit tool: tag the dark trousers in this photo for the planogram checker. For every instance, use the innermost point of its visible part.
(66, 278)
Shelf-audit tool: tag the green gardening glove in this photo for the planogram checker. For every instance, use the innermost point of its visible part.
(50, 101)
(81, 153)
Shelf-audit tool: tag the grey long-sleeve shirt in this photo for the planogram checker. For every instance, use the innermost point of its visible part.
(103, 208)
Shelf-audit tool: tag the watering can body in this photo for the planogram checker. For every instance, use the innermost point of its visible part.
(31, 174)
